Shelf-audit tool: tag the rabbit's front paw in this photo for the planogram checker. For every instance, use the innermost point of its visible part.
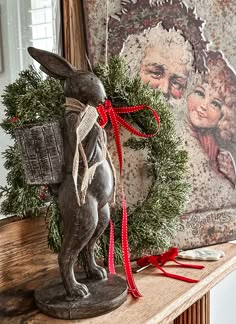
(97, 273)
(77, 290)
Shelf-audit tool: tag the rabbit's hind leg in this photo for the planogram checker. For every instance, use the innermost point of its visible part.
(79, 227)
(67, 259)
(91, 268)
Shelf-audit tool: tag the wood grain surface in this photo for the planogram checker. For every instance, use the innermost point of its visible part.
(26, 263)
(24, 253)
(198, 313)
(74, 33)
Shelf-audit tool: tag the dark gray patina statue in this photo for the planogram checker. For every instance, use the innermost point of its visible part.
(84, 221)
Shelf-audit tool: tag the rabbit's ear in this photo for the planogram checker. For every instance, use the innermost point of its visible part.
(52, 64)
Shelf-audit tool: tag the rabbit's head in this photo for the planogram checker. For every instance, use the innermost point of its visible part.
(82, 85)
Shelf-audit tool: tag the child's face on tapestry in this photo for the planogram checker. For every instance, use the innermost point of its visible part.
(204, 106)
(165, 70)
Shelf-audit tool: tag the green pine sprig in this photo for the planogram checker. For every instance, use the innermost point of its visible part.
(54, 226)
(19, 198)
(29, 99)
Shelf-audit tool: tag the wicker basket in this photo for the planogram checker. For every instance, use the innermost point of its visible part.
(41, 148)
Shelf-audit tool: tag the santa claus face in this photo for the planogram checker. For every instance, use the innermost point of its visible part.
(164, 71)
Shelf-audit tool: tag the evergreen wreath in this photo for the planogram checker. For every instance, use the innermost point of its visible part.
(154, 221)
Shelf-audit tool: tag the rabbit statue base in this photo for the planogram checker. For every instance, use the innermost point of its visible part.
(104, 296)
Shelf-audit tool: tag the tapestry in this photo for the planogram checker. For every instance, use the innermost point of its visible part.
(187, 50)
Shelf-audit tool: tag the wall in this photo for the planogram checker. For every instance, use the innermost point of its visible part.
(222, 301)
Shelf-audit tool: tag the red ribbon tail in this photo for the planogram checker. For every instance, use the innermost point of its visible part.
(182, 278)
(111, 262)
(189, 265)
(171, 275)
(125, 249)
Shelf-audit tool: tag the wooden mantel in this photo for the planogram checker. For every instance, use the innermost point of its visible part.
(26, 262)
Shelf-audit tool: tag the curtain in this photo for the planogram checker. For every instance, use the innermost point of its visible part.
(57, 27)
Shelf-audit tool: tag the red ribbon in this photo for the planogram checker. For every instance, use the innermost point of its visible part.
(106, 112)
(159, 260)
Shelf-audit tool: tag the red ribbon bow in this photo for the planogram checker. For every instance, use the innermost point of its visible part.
(106, 112)
(159, 260)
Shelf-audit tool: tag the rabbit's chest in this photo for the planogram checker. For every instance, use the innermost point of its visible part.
(103, 180)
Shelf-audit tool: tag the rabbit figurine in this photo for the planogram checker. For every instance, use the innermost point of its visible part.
(84, 223)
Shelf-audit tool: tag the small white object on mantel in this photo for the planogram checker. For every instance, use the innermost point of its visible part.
(232, 242)
(201, 254)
